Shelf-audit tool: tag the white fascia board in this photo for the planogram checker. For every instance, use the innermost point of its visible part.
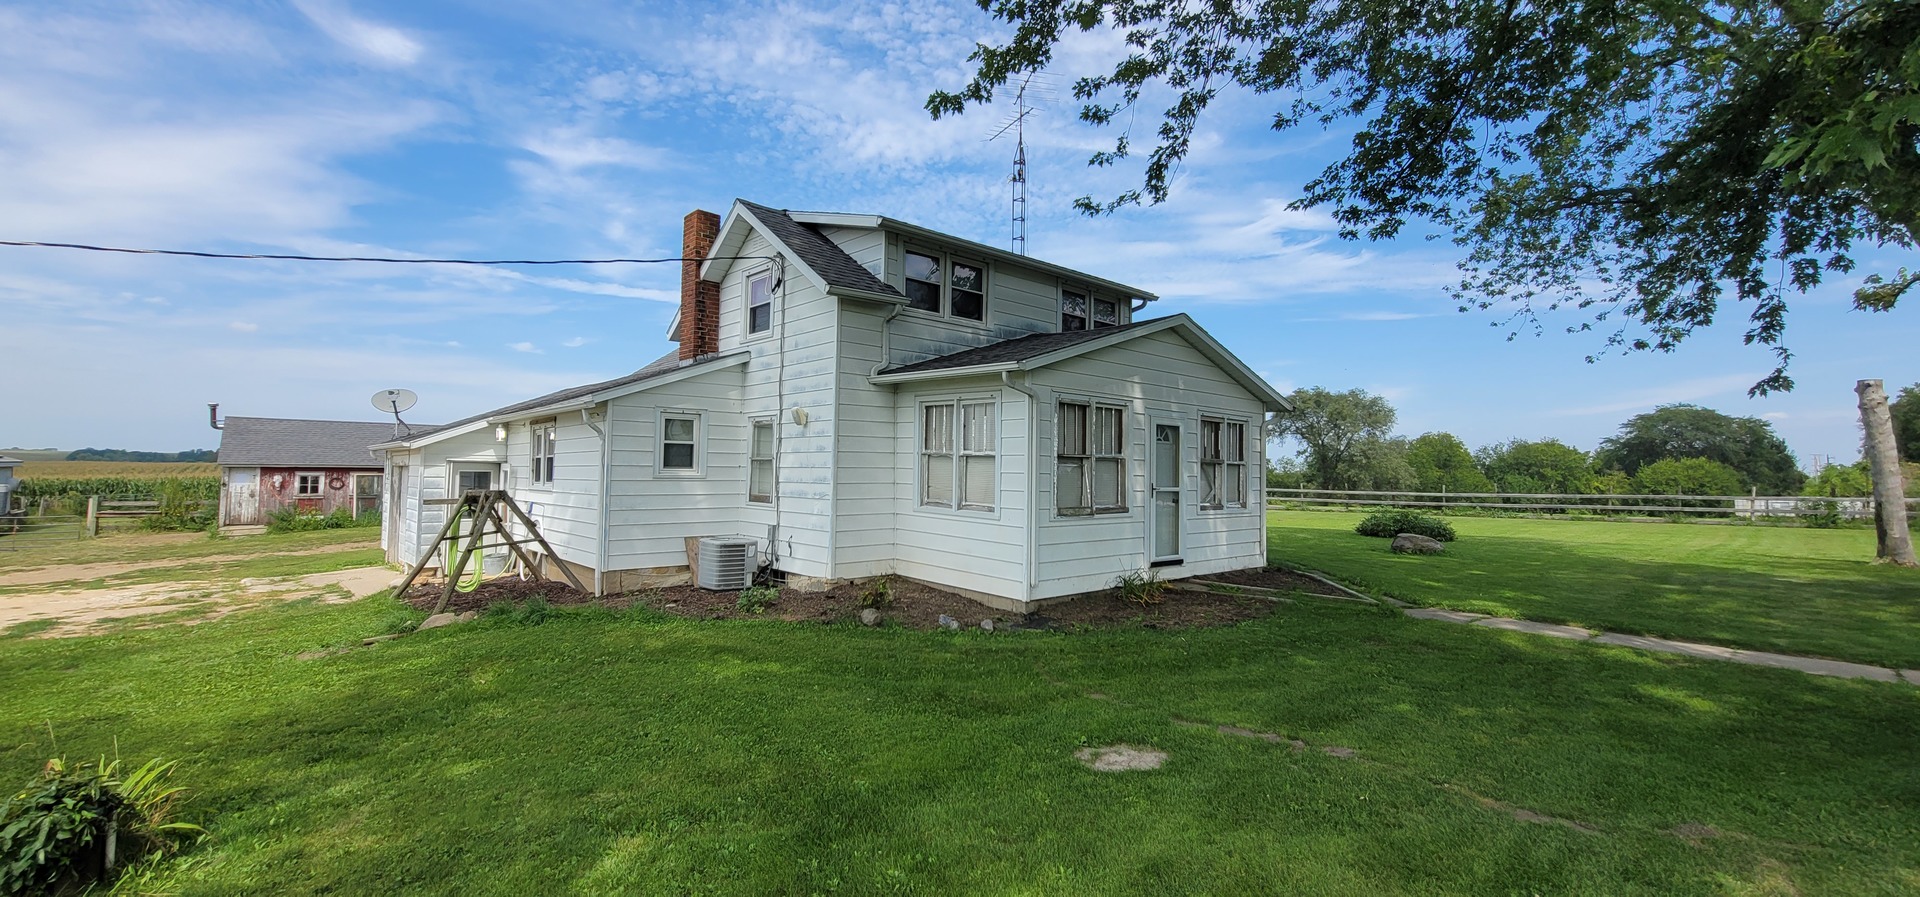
(836, 219)
(591, 399)
(430, 439)
(730, 235)
(867, 296)
(970, 247)
(673, 327)
(944, 373)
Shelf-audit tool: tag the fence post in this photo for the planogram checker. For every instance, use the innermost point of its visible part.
(93, 516)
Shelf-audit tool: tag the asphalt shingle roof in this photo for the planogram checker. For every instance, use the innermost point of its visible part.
(1013, 351)
(281, 442)
(822, 255)
(664, 364)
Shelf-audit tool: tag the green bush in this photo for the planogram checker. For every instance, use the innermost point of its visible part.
(1689, 476)
(757, 599)
(1387, 524)
(292, 520)
(54, 832)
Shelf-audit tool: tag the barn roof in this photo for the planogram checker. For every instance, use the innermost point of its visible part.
(286, 442)
(10, 462)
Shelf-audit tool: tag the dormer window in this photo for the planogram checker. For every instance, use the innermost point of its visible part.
(940, 284)
(1079, 311)
(760, 302)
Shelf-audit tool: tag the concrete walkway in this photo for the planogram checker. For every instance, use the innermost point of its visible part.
(1814, 665)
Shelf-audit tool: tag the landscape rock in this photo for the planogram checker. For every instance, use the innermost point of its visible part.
(438, 620)
(947, 622)
(869, 617)
(987, 625)
(469, 616)
(1414, 543)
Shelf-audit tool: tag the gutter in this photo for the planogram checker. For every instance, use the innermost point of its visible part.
(606, 490)
(1033, 480)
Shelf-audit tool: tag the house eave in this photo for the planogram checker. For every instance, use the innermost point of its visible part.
(407, 444)
(836, 219)
(714, 363)
(946, 373)
(1001, 255)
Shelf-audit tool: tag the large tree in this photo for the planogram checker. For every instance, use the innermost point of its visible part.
(1635, 159)
(1548, 466)
(1441, 463)
(1906, 422)
(1341, 434)
(1746, 444)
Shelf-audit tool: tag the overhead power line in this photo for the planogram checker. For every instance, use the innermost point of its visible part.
(362, 258)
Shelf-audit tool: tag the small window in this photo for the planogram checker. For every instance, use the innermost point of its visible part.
(678, 435)
(946, 286)
(540, 446)
(306, 485)
(969, 291)
(1223, 463)
(958, 468)
(1106, 313)
(1090, 460)
(760, 481)
(760, 302)
(923, 282)
(1073, 310)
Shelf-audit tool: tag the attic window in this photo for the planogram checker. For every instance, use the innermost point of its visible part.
(941, 284)
(760, 302)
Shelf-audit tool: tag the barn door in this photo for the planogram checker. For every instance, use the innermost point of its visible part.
(242, 505)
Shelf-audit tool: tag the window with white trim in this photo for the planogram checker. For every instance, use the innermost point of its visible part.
(1090, 461)
(1080, 310)
(307, 485)
(679, 443)
(944, 285)
(1223, 463)
(760, 481)
(958, 464)
(760, 302)
(540, 445)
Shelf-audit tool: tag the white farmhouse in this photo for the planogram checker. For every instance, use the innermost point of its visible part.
(863, 396)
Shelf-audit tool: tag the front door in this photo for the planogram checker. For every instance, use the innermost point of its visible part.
(1165, 507)
(472, 478)
(242, 505)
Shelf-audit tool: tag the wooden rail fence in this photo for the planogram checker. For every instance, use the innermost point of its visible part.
(1749, 506)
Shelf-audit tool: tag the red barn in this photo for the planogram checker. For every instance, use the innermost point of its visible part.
(317, 466)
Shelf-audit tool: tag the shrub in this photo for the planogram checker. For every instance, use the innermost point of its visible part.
(757, 599)
(1145, 589)
(1387, 524)
(293, 520)
(1688, 476)
(54, 832)
(878, 593)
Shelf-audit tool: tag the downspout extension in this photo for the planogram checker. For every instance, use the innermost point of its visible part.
(886, 341)
(606, 490)
(1033, 479)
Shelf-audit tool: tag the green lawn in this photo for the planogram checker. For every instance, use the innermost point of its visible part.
(1792, 590)
(140, 547)
(627, 753)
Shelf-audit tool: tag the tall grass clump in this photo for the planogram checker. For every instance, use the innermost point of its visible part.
(293, 520)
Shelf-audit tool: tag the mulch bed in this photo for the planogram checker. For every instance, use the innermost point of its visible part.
(915, 606)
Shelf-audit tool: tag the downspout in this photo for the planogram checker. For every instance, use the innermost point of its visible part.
(886, 341)
(1033, 480)
(606, 492)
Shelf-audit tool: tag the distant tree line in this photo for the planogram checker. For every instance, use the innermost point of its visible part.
(1346, 441)
(94, 454)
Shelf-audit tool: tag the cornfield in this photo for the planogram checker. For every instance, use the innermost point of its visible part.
(133, 470)
(34, 488)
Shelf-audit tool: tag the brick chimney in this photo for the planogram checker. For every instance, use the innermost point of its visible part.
(699, 299)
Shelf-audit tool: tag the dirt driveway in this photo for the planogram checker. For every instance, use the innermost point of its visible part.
(70, 609)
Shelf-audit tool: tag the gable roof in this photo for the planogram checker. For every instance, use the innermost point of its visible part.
(591, 393)
(10, 462)
(288, 442)
(1041, 349)
(837, 270)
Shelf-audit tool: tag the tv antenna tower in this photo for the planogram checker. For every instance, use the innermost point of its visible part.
(1018, 125)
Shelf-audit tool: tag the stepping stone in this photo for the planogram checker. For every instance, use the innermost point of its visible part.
(1668, 646)
(1552, 629)
(1450, 616)
(1818, 667)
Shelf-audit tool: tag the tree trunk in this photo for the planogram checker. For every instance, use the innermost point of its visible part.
(1889, 493)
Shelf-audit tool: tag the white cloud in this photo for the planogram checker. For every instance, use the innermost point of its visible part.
(244, 327)
(575, 343)
(380, 44)
(524, 347)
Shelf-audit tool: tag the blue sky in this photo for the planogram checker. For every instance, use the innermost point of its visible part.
(575, 128)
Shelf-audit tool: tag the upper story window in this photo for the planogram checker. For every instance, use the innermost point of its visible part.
(1223, 463)
(760, 302)
(1090, 460)
(540, 445)
(944, 285)
(1079, 311)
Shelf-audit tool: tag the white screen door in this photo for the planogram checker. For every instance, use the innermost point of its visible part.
(1166, 493)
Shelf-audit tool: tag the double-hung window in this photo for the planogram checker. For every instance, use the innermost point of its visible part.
(957, 455)
(540, 444)
(679, 441)
(1080, 311)
(945, 285)
(1223, 463)
(760, 463)
(1090, 460)
(760, 302)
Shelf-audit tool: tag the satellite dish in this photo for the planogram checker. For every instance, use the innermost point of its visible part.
(394, 401)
